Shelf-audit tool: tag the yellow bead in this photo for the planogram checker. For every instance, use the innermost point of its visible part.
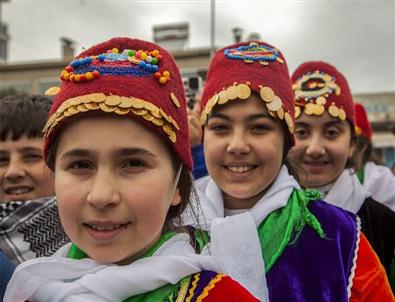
(89, 75)
(143, 55)
(162, 80)
(77, 78)
(155, 52)
(166, 74)
(115, 50)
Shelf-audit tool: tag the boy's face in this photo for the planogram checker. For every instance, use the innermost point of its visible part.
(114, 185)
(323, 145)
(23, 173)
(243, 148)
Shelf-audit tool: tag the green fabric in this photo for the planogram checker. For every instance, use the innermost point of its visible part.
(166, 293)
(202, 238)
(283, 226)
(361, 174)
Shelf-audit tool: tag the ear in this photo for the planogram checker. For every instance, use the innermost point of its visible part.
(176, 198)
(353, 145)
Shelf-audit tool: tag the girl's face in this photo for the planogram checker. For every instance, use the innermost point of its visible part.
(243, 147)
(114, 184)
(322, 147)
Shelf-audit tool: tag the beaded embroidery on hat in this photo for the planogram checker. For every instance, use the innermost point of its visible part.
(254, 52)
(137, 63)
(311, 92)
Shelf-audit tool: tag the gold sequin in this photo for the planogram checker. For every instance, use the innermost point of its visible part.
(264, 63)
(280, 113)
(82, 108)
(342, 114)
(333, 110)
(222, 97)
(52, 91)
(275, 104)
(267, 94)
(309, 108)
(280, 60)
(243, 91)
(175, 100)
(127, 103)
(297, 111)
(122, 111)
(148, 117)
(106, 108)
(140, 111)
(318, 109)
(288, 120)
(113, 100)
(92, 106)
(321, 100)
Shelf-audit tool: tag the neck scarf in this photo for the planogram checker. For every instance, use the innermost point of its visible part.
(59, 279)
(234, 239)
(347, 192)
(380, 182)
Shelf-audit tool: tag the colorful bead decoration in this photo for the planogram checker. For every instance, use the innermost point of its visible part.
(311, 93)
(254, 53)
(138, 63)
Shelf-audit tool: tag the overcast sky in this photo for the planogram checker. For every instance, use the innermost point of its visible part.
(358, 37)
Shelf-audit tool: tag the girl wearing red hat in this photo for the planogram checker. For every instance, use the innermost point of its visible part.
(117, 142)
(375, 178)
(280, 242)
(325, 142)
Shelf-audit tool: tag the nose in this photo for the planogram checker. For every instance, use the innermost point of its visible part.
(103, 192)
(315, 147)
(15, 170)
(238, 143)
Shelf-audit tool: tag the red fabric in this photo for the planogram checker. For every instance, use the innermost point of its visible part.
(344, 100)
(146, 88)
(228, 290)
(362, 122)
(223, 72)
(370, 283)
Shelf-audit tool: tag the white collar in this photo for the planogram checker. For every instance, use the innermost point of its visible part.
(234, 239)
(57, 278)
(347, 192)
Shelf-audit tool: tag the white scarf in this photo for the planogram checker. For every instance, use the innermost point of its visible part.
(347, 192)
(59, 279)
(380, 182)
(234, 239)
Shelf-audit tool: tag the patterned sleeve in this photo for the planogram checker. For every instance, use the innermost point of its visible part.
(370, 282)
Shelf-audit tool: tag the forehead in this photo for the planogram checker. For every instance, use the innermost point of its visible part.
(23, 142)
(242, 108)
(320, 120)
(106, 131)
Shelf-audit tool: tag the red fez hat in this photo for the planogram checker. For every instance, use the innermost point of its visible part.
(320, 87)
(126, 77)
(362, 124)
(256, 66)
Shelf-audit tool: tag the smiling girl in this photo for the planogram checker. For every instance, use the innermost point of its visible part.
(325, 142)
(117, 142)
(278, 241)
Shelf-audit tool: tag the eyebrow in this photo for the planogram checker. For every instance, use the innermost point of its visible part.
(121, 152)
(249, 118)
(29, 149)
(327, 124)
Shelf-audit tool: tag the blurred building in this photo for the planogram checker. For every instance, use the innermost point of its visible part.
(38, 76)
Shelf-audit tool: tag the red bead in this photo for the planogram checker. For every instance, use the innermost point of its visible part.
(69, 69)
(96, 74)
(83, 78)
(157, 75)
(159, 57)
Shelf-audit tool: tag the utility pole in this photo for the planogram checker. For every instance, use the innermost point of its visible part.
(212, 27)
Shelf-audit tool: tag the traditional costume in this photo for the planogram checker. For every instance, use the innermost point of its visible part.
(289, 246)
(140, 80)
(320, 87)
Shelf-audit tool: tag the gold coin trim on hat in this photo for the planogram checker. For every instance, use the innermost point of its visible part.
(242, 91)
(311, 92)
(117, 104)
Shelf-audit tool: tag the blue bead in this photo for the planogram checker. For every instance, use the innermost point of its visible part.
(101, 57)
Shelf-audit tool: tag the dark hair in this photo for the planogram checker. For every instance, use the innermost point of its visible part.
(23, 114)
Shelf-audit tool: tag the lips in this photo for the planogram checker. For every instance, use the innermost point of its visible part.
(104, 231)
(240, 169)
(18, 190)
